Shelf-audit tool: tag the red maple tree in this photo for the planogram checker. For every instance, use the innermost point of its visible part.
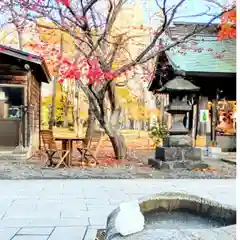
(228, 23)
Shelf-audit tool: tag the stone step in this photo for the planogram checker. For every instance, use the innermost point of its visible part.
(186, 164)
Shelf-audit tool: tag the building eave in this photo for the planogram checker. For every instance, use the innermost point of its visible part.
(29, 58)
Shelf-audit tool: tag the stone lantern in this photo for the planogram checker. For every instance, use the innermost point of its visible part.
(180, 91)
(177, 146)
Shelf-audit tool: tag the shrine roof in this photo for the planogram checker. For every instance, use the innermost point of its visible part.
(204, 55)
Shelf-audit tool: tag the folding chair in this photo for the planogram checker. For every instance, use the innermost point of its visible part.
(50, 147)
(91, 149)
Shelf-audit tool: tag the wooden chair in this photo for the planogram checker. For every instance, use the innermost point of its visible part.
(91, 149)
(50, 147)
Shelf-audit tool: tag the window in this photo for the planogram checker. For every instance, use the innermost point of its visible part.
(11, 98)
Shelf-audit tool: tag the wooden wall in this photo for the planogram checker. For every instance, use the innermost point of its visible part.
(34, 118)
(32, 98)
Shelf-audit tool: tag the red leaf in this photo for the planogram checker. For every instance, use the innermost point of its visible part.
(64, 2)
(60, 81)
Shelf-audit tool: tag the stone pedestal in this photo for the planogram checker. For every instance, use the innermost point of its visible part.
(177, 153)
(177, 157)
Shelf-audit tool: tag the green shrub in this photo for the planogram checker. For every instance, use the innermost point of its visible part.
(158, 132)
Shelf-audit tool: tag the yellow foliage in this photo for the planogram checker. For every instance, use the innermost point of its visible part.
(53, 36)
(135, 109)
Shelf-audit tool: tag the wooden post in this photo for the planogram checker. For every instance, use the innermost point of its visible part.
(194, 125)
(214, 120)
(202, 126)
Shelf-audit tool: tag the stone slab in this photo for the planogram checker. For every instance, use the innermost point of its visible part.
(8, 233)
(29, 237)
(229, 160)
(68, 233)
(36, 231)
(187, 164)
(90, 234)
(178, 153)
(179, 140)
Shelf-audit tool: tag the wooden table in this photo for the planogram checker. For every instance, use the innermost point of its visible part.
(67, 144)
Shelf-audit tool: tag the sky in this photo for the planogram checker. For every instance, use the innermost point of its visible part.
(187, 9)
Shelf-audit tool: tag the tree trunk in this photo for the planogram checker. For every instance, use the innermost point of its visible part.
(20, 40)
(114, 119)
(97, 111)
(78, 127)
(65, 115)
(117, 140)
(53, 109)
(90, 124)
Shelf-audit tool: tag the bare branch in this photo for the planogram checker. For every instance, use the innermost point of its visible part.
(142, 58)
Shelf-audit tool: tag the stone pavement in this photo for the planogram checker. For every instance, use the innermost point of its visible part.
(75, 209)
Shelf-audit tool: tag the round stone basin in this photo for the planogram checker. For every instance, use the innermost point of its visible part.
(179, 216)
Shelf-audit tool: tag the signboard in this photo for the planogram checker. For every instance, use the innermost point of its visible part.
(204, 115)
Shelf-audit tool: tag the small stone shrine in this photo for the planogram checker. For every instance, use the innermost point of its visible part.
(177, 148)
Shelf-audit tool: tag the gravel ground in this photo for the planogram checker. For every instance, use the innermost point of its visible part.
(15, 169)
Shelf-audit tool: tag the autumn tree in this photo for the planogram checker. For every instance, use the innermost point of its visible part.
(228, 24)
(92, 23)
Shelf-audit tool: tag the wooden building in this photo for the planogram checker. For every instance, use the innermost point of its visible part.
(209, 64)
(21, 76)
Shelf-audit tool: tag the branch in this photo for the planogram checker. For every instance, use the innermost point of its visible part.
(88, 7)
(142, 58)
(111, 17)
(160, 31)
(116, 48)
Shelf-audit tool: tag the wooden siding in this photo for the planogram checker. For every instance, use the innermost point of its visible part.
(32, 92)
(34, 111)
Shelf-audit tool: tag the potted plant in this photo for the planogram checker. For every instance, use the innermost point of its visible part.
(213, 150)
(212, 143)
(158, 133)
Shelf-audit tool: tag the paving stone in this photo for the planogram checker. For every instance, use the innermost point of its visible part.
(73, 213)
(101, 208)
(34, 214)
(95, 220)
(68, 233)
(30, 237)
(90, 234)
(2, 213)
(7, 233)
(98, 200)
(14, 223)
(35, 231)
(83, 221)
(79, 204)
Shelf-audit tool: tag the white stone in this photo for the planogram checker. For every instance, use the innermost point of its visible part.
(215, 152)
(129, 220)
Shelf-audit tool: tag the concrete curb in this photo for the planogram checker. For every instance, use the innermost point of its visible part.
(229, 160)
